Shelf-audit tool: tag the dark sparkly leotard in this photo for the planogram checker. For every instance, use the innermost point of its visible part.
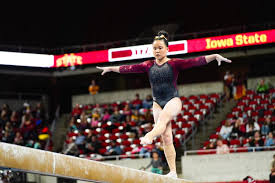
(163, 78)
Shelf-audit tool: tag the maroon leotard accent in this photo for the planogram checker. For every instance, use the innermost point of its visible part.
(163, 78)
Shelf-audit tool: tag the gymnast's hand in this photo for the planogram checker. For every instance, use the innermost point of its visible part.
(108, 69)
(105, 69)
(220, 59)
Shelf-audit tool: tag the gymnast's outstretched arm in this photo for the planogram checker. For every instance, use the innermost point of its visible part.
(182, 64)
(219, 58)
(135, 68)
(108, 69)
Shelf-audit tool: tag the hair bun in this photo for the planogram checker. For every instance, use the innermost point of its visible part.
(163, 32)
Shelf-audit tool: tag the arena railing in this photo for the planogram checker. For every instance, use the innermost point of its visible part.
(232, 150)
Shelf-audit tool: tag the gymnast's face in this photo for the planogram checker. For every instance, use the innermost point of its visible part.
(160, 50)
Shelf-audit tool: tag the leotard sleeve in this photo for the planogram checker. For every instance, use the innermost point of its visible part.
(182, 64)
(135, 68)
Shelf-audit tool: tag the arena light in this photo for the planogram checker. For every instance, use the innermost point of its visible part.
(26, 59)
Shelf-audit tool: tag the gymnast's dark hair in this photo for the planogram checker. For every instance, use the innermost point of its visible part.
(162, 35)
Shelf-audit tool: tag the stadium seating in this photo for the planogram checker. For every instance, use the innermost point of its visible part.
(27, 126)
(255, 106)
(194, 111)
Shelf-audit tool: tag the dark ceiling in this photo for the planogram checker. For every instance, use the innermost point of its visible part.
(52, 25)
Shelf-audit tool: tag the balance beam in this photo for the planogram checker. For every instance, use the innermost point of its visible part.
(55, 164)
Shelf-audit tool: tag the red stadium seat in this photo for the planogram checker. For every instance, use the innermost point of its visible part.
(218, 129)
(214, 136)
(183, 98)
(182, 132)
(204, 109)
(102, 151)
(126, 143)
(268, 113)
(235, 143)
(136, 141)
(127, 149)
(175, 126)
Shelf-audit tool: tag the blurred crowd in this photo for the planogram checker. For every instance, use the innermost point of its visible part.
(27, 126)
(132, 119)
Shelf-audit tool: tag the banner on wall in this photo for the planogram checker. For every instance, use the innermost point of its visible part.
(231, 41)
(175, 48)
(137, 52)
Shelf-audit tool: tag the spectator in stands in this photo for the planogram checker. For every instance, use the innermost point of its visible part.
(8, 137)
(116, 116)
(146, 150)
(4, 117)
(148, 117)
(265, 127)
(26, 125)
(83, 124)
(39, 111)
(8, 127)
(156, 163)
(228, 83)
(98, 109)
(251, 127)
(135, 116)
(221, 147)
(147, 102)
(136, 103)
(72, 125)
(95, 121)
(92, 146)
(269, 141)
(126, 111)
(37, 145)
(96, 114)
(211, 145)
(14, 119)
(129, 127)
(70, 148)
(80, 140)
(93, 88)
(82, 116)
(18, 139)
(27, 116)
(6, 108)
(262, 87)
(226, 129)
(257, 141)
(106, 116)
(77, 110)
(238, 129)
(239, 89)
(114, 150)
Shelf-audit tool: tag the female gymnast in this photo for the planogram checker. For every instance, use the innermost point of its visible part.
(163, 73)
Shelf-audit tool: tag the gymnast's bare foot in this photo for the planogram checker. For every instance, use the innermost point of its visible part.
(172, 174)
(145, 140)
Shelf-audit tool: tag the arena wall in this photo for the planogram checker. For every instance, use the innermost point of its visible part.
(109, 97)
(186, 90)
(229, 167)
